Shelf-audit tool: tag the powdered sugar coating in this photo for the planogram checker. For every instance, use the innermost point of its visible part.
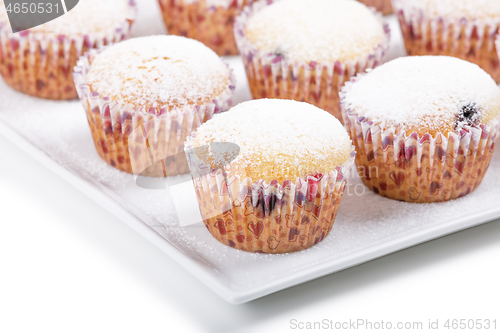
(159, 72)
(424, 94)
(470, 9)
(315, 30)
(87, 17)
(278, 139)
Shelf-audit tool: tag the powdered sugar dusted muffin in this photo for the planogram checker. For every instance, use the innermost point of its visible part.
(424, 127)
(461, 28)
(209, 21)
(145, 95)
(383, 6)
(39, 61)
(280, 190)
(306, 49)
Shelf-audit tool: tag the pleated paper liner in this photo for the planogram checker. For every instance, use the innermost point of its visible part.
(497, 46)
(274, 76)
(417, 168)
(252, 215)
(205, 20)
(139, 141)
(471, 40)
(41, 65)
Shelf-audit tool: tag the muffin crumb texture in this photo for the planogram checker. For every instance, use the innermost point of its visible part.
(428, 94)
(160, 72)
(88, 17)
(278, 139)
(315, 30)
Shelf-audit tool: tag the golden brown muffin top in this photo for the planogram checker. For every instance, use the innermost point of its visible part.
(428, 94)
(86, 18)
(278, 140)
(315, 30)
(456, 9)
(159, 72)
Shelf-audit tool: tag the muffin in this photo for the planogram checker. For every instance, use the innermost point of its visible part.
(209, 21)
(383, 6)
(424, 127)
(306, 49)
(464, 29)
(144, 96)
(39, 61)
(267, 178)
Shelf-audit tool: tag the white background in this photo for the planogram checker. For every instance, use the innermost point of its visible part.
(68, 265)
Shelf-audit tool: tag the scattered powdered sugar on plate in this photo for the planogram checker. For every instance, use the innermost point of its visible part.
(471, 9)
(279, 139)
(159, 71)
(60, 130)
(315, 30)
(429, 93)
(88, 17)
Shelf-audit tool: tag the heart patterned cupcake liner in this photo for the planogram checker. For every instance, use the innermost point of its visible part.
(273, 76)
(209, 21)
(417, 168)
(139, 141)
(255, 216)
(41, 65)
(471, 40)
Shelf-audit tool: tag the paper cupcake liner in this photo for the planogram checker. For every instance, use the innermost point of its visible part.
(273, 76)
(209, 21)
(139, 141)
(417, 168)
(383, 6)
(252, 215)
(497, 44)
(41, 65)
(471, 40)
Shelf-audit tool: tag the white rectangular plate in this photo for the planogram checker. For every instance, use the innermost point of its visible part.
(367, 226)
